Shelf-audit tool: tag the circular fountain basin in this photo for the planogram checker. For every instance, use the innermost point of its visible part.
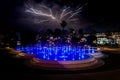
(65, 65)
(98, 55)
(87, 63)
(61, 58)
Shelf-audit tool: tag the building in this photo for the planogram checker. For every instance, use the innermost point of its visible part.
(103, 38)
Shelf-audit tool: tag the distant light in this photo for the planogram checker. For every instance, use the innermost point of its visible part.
(98, 49)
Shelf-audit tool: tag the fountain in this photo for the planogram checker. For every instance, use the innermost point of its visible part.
(61, 57)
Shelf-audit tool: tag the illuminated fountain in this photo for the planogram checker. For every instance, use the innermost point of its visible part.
(61, 57)
(57, 57)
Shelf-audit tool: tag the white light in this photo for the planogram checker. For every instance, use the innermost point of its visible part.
(53, 14)
(98, 49)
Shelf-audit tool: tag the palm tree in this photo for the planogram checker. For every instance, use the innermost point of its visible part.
(63, 24)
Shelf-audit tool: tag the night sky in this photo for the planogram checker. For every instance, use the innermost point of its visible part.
(102, 15)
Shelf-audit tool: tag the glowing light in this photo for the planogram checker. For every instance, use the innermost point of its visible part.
(58, 52)
(53, 14)
(98, 49)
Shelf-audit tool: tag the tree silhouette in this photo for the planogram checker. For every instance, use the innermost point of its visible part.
(81, 33)
(91, 38)
(63, 24)
(57, 32)
(49, 31)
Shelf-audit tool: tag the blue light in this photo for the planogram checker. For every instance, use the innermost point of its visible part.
(82, 56)
(64, 59)
(73, 59)
(44, 56)
(55, 59)
(79, 58)
(48, 58)
(56, 53)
